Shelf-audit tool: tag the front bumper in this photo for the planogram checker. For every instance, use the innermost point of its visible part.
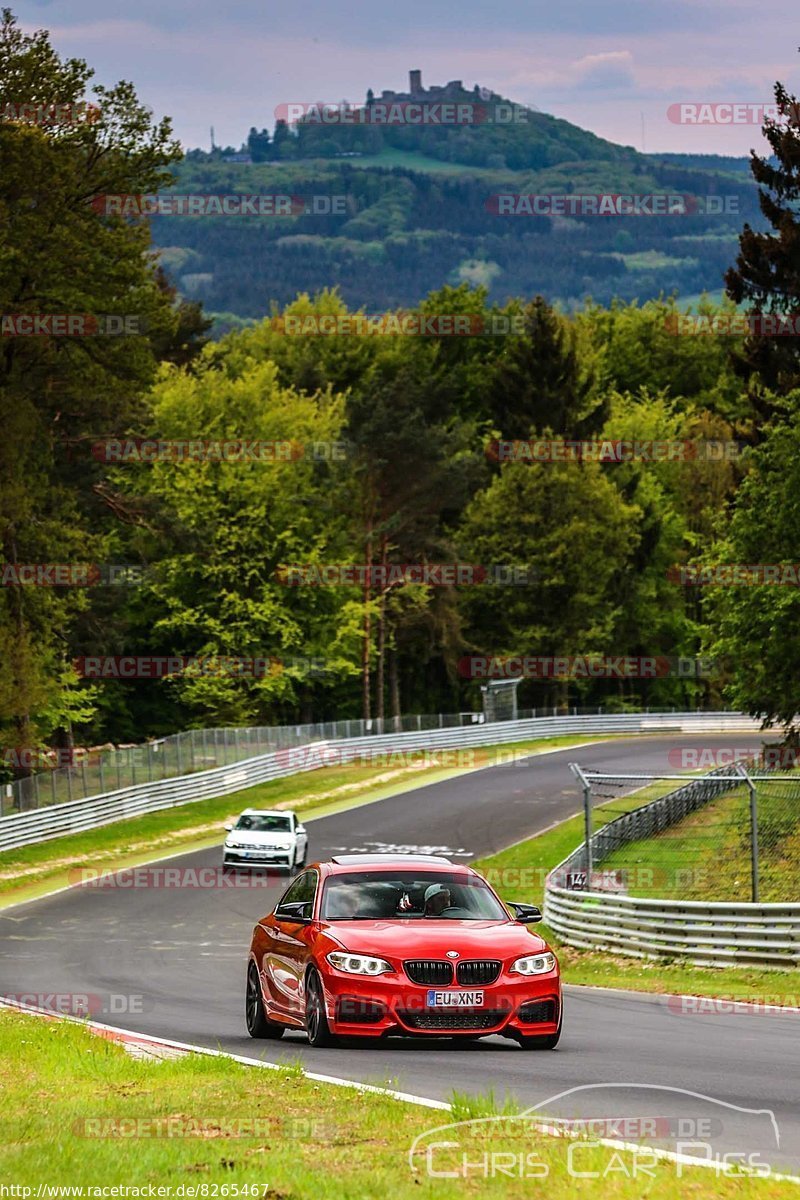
(514, 1006)
(258, 858)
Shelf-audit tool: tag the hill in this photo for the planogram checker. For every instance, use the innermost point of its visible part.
(404, 209)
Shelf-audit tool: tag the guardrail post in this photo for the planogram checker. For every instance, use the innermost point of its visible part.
(754, 888)
(587, 820)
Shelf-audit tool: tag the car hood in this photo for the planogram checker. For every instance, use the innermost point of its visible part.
(249, 838)
(429, 938)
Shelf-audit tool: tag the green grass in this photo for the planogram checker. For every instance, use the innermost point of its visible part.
(652, 260)
(279, 1134)
(519, 872)
(707, 855)
(414, 161)
(34, 870)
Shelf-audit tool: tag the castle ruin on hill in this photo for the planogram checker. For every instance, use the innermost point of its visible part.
(454, 90)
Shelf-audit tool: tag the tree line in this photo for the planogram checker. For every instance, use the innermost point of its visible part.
(367, 451)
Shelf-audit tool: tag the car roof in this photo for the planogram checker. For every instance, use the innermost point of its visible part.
(263, 812)
(392, 858)
(342, 864)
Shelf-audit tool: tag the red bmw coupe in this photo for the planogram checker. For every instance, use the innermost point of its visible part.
(372, 945)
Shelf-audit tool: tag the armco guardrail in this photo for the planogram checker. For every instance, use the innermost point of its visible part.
(21, 829)
(96, 772)
(705, 933)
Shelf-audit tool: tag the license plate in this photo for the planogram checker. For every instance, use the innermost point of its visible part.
(454, 999)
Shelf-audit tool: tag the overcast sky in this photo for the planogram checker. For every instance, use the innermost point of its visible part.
(611, 66)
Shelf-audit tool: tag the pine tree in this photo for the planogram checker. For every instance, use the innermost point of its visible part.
(767, 271)
(539, 382)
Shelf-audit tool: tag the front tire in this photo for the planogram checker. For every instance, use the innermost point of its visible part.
(317, 1028)
(258, 1026)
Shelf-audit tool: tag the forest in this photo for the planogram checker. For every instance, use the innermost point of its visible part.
(256, 510)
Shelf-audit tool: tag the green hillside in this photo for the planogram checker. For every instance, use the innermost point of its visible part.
(416, 211)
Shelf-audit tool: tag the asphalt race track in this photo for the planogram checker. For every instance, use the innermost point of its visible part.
(179, 955)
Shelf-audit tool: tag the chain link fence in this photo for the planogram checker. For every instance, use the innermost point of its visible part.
(732, 835)
(98, 771)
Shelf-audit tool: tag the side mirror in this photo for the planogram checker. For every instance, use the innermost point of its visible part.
(300, 829)
(527, 914)
(301, 912)
(229, 825)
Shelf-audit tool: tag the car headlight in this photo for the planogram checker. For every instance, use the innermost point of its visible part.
(534, 964)
(234, 845)
(358, 964)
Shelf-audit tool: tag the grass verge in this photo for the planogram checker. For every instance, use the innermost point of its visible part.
(79, 1113)
(43, 867)
(707, 856)
(519, 872)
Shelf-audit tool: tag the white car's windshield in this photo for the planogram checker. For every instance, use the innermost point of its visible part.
(409, 895)
(264, 823)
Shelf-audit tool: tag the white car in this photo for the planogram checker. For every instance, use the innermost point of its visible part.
(261, 837)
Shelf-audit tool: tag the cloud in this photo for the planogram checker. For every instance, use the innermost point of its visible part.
(610, 71)
(600, 63)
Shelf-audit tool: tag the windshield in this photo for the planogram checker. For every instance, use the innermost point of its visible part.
(409, 895)
(264, 823)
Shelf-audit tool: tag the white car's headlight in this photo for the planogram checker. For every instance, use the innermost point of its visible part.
(358, 964)
(534, 964)
(232, 845)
